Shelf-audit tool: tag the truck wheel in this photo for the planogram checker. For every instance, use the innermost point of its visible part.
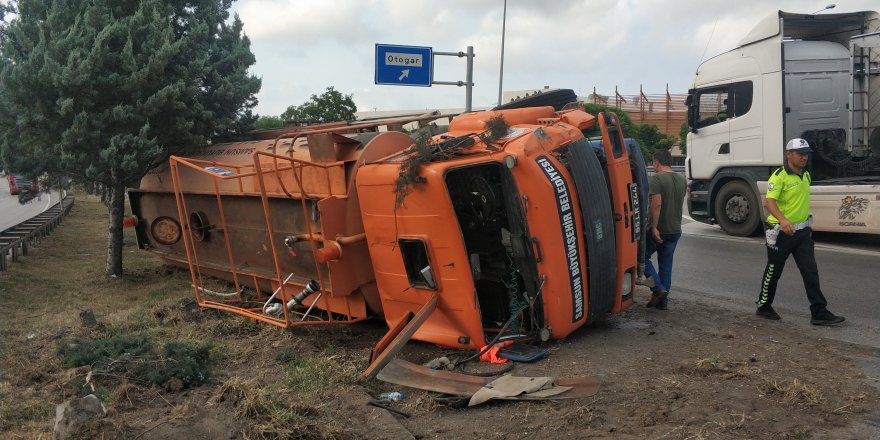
(640, 177)
(737, 210)
(555, 98)
(600, 241)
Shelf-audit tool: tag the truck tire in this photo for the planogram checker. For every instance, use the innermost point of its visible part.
(737, 210)
(599, 238)
(640, 177)
(555, 98)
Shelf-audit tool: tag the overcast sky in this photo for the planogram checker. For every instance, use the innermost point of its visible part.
(304, 46)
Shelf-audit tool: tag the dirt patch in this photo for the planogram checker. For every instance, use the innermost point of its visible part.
(693, 372)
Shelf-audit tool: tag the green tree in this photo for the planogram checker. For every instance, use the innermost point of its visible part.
(104, 90)
(6, 8)
(268, 122)
(682, 136)
(651, 138)
(331, 106)
(648, 136)
(626, 123)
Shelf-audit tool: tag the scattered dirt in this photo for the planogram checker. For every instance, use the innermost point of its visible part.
(694, 371)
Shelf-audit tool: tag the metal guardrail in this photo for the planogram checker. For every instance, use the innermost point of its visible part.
(676, 168)
(29, 232)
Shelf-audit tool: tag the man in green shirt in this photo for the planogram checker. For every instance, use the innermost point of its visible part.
(667, 189)
(789, 233)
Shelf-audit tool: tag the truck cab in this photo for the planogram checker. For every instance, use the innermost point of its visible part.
(794, 75)
(526, 222)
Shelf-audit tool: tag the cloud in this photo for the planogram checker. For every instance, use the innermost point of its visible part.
(303, 23)
(303, 46)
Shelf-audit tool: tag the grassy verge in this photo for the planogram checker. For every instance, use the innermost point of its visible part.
(146, 324)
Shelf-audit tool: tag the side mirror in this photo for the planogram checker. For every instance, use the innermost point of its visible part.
(693, 110)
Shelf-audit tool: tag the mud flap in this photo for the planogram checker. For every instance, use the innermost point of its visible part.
(595, 207)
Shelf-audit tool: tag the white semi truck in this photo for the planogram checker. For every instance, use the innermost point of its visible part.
(816, 77)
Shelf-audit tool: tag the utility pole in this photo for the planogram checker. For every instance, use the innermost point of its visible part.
(501, 73)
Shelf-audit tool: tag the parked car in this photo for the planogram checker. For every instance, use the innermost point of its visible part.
(17, 184)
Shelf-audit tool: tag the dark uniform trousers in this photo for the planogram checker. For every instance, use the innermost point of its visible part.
(801, 246)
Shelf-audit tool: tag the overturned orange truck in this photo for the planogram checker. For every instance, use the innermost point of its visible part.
(507, 225)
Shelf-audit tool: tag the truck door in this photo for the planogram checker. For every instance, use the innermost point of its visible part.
(709, 144)
(746, 140)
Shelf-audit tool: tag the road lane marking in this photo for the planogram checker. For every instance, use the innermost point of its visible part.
(757, 240)
(48, 202)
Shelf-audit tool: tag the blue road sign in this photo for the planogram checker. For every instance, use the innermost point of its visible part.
(404, 65)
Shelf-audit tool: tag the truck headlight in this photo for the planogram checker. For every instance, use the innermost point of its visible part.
(627, 286)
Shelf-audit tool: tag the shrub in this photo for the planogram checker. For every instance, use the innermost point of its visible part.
(99, 352)
(136, 358)
(186, 361)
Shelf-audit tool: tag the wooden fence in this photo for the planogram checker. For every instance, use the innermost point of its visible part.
(665, 110)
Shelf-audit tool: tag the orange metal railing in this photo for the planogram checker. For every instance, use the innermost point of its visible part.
(275, 177)
(262, 171)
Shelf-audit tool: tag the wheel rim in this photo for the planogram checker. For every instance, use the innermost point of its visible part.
(737, 208)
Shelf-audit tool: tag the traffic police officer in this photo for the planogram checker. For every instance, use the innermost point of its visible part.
(789, 233)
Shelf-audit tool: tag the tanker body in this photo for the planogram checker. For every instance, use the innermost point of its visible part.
(522, 232)
(246, 212)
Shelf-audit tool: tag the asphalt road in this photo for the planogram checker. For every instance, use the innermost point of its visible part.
(713, 267)
(13, 213)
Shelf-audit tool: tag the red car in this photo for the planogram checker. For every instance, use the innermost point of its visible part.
(17, 184)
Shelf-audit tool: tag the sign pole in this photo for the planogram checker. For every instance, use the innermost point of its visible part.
(469, 75)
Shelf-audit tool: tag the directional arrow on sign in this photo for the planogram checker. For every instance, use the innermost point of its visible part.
(404, 65)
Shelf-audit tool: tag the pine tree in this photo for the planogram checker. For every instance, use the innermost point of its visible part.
(104, 90)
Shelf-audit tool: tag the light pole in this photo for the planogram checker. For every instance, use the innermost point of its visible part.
(831, 6)
(503, 29)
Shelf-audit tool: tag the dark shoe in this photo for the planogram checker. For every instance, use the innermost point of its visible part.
(656, 298)
(826, 318)
(767, 312)
(661, 306)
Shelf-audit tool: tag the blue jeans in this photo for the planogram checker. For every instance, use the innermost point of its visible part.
(665, 251)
